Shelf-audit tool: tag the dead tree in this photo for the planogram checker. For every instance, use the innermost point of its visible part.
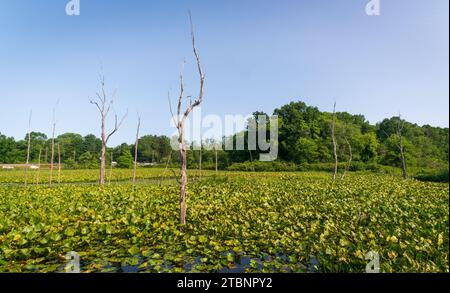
(28, 149)
(333, 137)
(59, 164)
(350, 158)
(400, 145)
(180, 120)
(104, 105)
(52, 158)
(136, 149)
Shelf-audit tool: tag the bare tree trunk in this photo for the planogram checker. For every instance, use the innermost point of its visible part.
(28, 150)
(400, 126)
(104, 106)
(59, 164)
(402, 155)
(333, 137)
(180, 123)
(52, 149)
(183, 181)
(136, 149)
(350, 153)
(39, 167)
(101, 179)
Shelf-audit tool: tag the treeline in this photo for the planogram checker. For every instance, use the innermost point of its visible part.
(304, 143)
(81, 152)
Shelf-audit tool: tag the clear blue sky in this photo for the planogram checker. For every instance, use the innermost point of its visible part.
(257, 55)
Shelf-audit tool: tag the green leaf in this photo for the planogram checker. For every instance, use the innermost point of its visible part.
(70, 232)
(202, 239)
(134, 250)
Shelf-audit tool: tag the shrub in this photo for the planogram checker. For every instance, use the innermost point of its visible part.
(263, 166)
(125, 161)
(439, 176)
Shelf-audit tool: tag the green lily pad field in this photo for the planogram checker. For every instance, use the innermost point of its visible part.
(237, 222)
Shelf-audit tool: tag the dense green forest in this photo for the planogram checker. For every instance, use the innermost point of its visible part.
(304, 143)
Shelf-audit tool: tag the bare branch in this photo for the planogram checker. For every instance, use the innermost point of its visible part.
(103, 89)
(108, 107)
(96, 104)
(197, 57)
(116, 125)
(171, 110)
(199, 99)
(180, 99)
(111, 102)
(400, 124)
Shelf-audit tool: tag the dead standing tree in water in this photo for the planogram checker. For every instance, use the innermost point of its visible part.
(400, 145)
(59, 164)
(104, 105)
(28, 150)
(52, 159)
(180, 120)
(136, 144)
(333, 137)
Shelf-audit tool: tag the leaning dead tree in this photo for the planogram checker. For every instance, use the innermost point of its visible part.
(59, 164)
(400, 145)
(52, 158)
(180, 120)
(28, 149)
(136, 148)
(104, 105)
(333, 137)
